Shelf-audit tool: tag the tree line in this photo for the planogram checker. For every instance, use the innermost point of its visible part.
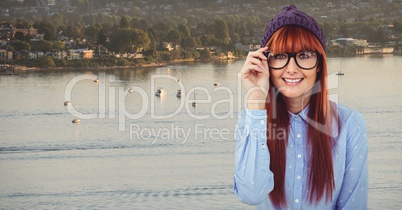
(129, 34)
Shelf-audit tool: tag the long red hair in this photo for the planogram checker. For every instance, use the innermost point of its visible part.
(319, 129)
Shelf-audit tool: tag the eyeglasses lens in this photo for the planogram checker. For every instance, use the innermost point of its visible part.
(304, 59)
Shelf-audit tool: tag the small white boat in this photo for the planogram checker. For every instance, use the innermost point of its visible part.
(160, 92)
(194, 104)
(179, 94)
(67, 103)
(96, 80)
(340, 73)
(217, 84)
(76, 121)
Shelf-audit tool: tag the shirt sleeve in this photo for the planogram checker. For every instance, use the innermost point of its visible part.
(354, 191)
(252, 180)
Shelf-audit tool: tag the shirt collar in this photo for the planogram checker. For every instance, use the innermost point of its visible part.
(302, 114)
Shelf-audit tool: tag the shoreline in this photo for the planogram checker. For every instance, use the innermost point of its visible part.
(16, 69)
(20, 68)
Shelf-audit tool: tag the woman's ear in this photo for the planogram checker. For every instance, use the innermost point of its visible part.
(319, 68)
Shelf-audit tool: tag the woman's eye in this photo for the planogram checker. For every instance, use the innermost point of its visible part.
(304, 55)
(281, 56)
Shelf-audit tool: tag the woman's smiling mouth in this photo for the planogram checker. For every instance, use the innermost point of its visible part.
(293, 82)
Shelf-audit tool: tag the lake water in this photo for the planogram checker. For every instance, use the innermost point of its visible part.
(138, 151)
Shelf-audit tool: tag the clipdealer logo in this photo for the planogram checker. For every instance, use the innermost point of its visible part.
(178, 133)
(119, 94)
(108, 96)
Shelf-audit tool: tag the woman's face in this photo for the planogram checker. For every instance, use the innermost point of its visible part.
(293, 82)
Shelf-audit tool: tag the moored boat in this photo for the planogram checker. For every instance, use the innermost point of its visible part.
(160, 92)
(179, 94)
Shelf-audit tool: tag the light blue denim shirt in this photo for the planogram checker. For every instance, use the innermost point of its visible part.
(253, 179)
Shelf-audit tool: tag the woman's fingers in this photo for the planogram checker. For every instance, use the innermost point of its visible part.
(255, 74)
(254, 63)
(261, 53)
(251, 70)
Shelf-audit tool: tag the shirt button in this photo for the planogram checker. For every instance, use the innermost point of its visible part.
(299, 155)
(262, 122)
(297, 200)
(298, 177)
(298, 135)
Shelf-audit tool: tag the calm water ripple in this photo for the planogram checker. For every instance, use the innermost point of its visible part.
(174, 156)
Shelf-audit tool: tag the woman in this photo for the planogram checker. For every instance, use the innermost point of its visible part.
(295, 149)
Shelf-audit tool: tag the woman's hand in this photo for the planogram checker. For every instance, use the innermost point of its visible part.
(255, 78)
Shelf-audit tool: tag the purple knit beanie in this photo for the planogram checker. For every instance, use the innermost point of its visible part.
(292, 16)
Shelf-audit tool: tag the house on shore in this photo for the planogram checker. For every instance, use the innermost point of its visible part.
(6, 55)
(374, 50)
(80, 54)
(363, 47)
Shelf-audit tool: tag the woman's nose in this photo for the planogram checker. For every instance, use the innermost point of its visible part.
(292, 66)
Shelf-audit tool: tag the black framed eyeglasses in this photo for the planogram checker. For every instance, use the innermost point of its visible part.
(305, 59)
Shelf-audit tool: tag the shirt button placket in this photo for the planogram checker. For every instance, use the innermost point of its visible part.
(299, 164)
